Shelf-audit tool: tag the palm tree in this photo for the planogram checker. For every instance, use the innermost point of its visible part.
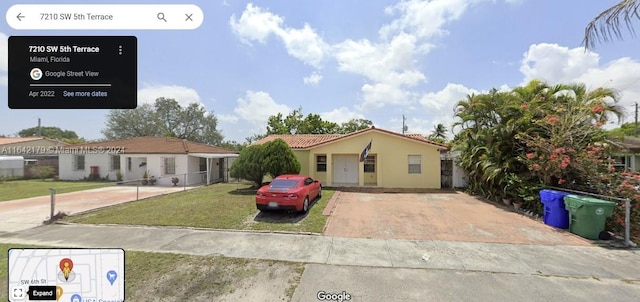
(607, 24)
(439, 131)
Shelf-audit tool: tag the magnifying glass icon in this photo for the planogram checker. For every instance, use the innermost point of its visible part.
(161, 17)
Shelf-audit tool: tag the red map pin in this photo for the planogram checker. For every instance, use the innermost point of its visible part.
(66, 265)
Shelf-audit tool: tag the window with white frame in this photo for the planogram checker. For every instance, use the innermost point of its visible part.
(415, 164)
(78, 162)
(114, 162)
(169, 165)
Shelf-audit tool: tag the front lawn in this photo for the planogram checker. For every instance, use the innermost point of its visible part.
(17, 189)
(193, 278)
(219, 206)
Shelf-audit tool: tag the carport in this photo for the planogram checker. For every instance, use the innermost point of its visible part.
(218, 165)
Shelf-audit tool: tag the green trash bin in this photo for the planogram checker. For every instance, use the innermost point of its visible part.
(587, 215)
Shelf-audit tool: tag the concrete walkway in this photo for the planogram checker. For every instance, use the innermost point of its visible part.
(562, 261)
(22, 214)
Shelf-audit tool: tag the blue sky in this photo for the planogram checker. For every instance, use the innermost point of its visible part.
(352, 59)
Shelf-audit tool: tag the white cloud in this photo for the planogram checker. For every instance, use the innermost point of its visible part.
(257, 107)
(443, 101)
(341, 115)
(389, 66)
(392, 62)
(229, 118)
(257, 24)
(378, 95)
(183, 95)
(424, 19)
(558, 64)
(440, 106)
(313, 79)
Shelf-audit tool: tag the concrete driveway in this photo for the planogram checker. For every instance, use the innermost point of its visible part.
(451, 216)
(21, 214)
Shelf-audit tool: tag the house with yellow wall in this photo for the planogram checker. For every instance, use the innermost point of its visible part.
(394, 160)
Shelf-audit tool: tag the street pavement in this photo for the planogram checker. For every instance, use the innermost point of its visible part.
(387, 269)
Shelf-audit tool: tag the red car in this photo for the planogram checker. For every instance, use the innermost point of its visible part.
(289, 192)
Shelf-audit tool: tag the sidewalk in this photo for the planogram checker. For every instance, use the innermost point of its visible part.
(568, 261)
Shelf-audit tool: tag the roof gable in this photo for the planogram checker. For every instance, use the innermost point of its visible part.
(309, 141)
(157, 145)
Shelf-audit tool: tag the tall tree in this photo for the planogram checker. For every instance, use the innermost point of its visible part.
(192, 122)
(165, 118)
(274, 158)
(126, 123)
(296, 123)
(607, 25)
(67, 136)
(439, 131)
(249, 165)
(232, 145)
(626, 129)
(279, 159)
(354, 125)
(254, 138)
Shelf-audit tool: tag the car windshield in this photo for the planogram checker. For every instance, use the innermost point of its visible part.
(283, 183)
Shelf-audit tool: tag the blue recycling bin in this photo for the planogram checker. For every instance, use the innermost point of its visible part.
(555, 213)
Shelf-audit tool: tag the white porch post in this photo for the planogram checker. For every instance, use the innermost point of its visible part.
(208, 171)
(225, 170)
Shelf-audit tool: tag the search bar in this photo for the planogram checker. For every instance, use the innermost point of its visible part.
(104, 16)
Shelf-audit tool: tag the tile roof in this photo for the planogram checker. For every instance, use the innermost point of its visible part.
(300, 141)
(629, 143)
(304, 141)
(158, 145)
(15, 140)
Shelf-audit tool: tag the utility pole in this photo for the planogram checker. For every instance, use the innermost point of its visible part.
(635, 131)
(404, 126)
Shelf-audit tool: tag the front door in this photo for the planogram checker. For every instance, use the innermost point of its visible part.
(345, 169)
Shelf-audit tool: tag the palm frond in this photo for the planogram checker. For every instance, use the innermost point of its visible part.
(607, 25)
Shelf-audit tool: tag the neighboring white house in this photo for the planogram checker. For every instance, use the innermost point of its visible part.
(36, 151)
(456, 176)
(626, 151)
(162, 157)
(12, 166)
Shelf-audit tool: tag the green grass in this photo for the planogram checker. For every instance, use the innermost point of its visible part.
(177, 276)
(17, 189)
(219, 206)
